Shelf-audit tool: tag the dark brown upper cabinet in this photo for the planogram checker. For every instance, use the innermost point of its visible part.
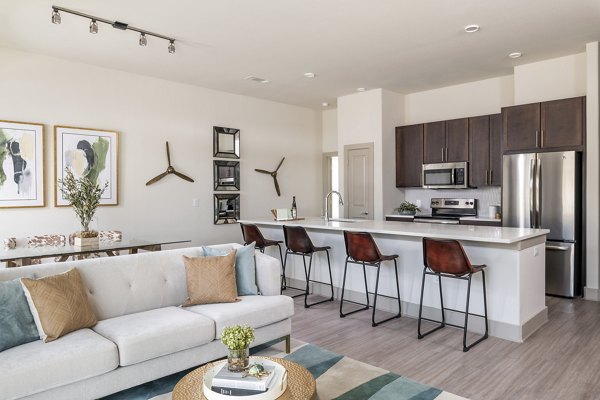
(485, 153)
(446, 141)
(409, 155)
(551, 125)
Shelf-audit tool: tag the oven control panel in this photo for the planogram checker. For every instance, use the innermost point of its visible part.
(453, 203)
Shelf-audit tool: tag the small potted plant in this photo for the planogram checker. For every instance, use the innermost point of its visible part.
(408, 208)
(237, 338)
(84, 196)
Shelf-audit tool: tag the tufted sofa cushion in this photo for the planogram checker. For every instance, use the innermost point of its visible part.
(151, 334)
(38, 366)
(256, 311)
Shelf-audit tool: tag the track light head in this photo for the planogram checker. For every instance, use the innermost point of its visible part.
(172, 47)
(94, 27)
(55, 16)
(143, 39)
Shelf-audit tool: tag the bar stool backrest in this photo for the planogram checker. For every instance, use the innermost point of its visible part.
(251, 233)
(446, 256)
(297, 240)
(361, 246)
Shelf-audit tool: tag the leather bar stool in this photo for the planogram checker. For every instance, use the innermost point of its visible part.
(447, 258)
(298, 243)
(362, 249)
(251, 233)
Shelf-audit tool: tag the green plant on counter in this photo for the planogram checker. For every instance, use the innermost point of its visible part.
(407, 207)
(237, 337)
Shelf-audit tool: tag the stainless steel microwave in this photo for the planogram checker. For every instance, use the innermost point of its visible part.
(445, 176)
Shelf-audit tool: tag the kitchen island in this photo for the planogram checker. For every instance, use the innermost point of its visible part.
(515, 276)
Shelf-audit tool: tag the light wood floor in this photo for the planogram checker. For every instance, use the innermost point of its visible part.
(560, 361)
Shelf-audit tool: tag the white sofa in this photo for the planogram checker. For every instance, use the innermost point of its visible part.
(142, 333)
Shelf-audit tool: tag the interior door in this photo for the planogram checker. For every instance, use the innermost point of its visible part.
(359, 181)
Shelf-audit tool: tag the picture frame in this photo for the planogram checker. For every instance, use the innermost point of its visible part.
(87, 152)
(226, 142)
(226, 175)
(227, 208)
(21, 164)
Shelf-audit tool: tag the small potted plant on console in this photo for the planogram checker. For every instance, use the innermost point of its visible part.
(408, 208)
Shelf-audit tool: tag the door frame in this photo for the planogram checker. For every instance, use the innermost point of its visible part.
(371, 176)
(327, 181)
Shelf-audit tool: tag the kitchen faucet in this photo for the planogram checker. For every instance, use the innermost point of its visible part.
(326, 216)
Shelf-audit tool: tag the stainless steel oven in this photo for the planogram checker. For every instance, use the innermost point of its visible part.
(445, 176)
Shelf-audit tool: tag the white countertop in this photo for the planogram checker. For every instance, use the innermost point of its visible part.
(489, 234)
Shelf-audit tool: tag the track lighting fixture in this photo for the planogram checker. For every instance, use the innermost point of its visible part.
(143, 41)
(55, 16)
(94, 27)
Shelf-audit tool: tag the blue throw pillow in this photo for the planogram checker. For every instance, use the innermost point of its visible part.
(16, 322)
(245, 267)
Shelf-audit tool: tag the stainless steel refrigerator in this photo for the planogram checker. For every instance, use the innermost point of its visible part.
(544, 190)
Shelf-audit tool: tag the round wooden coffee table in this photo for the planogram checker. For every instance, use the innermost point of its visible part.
(301, 384)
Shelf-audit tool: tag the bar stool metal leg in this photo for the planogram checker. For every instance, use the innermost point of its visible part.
(373, 323)
(308, 280)
(485, 335)
(442, 324)
(366, 307)
(283, 278)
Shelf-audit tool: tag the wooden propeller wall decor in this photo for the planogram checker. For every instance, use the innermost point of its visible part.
(170, 170)
(274, 175)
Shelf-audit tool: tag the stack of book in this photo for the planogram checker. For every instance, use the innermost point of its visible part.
(237, 384)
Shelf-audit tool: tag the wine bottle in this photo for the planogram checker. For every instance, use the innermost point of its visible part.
(294, 209)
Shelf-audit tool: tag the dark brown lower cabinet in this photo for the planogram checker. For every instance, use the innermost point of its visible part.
(481, 223)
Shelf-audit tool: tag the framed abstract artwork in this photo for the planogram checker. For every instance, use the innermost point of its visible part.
(90, 153)
(21, 164)
(227, 208)
(226, 142)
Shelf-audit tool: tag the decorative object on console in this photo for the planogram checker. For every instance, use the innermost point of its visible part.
(59, 304)
(10, 243)
(226, 142)
(210, 280)
(89, 153)
(21, 164)
(170, 170)
(227, 208)
(226, 175)
(273, 174)
(84, 196)
(143, 41)
(408, 208)
(237, 338)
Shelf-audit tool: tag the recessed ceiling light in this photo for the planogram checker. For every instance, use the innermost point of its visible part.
(256, 79)
(516, 54)
(360, 89)
(325, 104)
(471, 28)
(309, 75)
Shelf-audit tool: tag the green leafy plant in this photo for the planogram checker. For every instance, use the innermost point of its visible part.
(84, 196)
(237, 337)
(408, 207)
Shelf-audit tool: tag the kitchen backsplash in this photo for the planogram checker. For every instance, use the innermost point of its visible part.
(486, 196)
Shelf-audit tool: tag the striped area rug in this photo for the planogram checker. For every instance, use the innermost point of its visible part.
(337, 376)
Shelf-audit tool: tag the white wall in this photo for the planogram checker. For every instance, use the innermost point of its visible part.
(359, 119)
(147, 112)
(329, 131)
(459, 101)
(392, 116)
(553, 79)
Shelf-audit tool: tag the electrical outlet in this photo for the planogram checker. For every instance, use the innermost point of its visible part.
(195, 203)
(536, 251)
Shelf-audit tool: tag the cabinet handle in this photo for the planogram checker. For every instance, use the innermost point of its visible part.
(486, 176)
(491, 175)
(442, 154)
(542, 140)
(446, 156)
(537, 134)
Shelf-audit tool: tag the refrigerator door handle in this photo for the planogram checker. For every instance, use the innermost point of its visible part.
(538, 190)
(559, 248)
(531, 191)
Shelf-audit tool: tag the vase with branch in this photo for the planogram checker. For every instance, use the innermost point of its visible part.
(84, 196)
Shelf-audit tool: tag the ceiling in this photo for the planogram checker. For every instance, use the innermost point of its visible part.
(400, 45)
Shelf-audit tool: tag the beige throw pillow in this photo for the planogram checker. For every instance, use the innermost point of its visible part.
(210, 279)
(59, 304)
